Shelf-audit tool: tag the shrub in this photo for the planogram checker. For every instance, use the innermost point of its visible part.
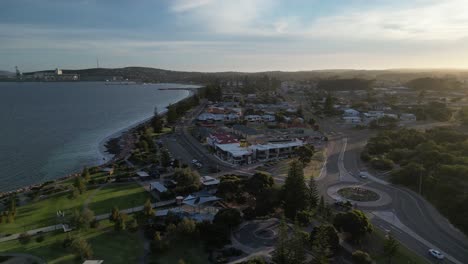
(40, 239)
(382, 164)
(24, 238)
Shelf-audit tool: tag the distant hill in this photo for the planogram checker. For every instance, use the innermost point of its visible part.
(6, 73)
(146, 74)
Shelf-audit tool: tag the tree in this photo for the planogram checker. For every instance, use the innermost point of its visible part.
(305, 154)
(157, 244)
(325, 238)
(304, 217)
(114, 216)
(321, 205)
(148, 210)
(83, 219)
(24, 238)
(259, 182)
(187, 228)
(289, 250)
(229, 217)
(12, 205)
(296, 247)
(390, 247)
(165, 158)
(281, 254)
(186, 177)
(81, 248)
(121, 222)
(313, 196)
(361, 257)
(295, 190)
(133, 225)
(171, 115)
(157, 124)
(85, 174)
(80, 184)
(354, 222)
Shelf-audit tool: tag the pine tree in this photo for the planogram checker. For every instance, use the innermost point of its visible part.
(295, 190)
(296, 247)
(313, 193)
(281, 254)
(390, 247)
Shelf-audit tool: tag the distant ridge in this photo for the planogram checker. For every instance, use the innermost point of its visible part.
(6, 73)
(147, 74)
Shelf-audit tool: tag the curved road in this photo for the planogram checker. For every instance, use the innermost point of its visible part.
(411, 219)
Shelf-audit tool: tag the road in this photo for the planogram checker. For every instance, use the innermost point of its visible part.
(411, 219)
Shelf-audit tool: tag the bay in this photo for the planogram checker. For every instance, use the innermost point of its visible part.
(51, 129)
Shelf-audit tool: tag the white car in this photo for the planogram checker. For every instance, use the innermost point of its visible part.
(436, 254)
(364, 174)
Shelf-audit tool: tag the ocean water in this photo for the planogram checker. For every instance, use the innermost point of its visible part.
(49, 130)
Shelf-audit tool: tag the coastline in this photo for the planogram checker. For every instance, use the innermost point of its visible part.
(104, 157)
(104, 149)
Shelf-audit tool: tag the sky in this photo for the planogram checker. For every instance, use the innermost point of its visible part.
(233, 35)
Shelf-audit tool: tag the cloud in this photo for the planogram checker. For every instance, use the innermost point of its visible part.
(413, 21)
(187, 5)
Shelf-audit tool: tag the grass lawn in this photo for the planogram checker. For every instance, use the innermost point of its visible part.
(43, 213)
(192, 253)
(315, 166)
(404, 255)
(111, 246)
(121, 195)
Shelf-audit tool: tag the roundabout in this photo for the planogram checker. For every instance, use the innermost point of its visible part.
(359, 194)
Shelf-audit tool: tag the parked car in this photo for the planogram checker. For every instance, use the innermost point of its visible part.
(436, 254)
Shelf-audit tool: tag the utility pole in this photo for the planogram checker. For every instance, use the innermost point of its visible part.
(97, 63)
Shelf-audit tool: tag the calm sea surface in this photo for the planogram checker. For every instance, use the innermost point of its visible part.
(49, 130)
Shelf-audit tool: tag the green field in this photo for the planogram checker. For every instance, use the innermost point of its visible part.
(43, 213)
(121, 195)
(192, 253)
(105, 243)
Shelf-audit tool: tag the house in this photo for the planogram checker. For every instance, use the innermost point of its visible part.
(408, 117)
(268, 118)
(244, 131)
(351, 112)
(143, 175)
(221, 138)
(352, 119)
(253, 118)
(209, 183)
(157, 187)
(211, 117)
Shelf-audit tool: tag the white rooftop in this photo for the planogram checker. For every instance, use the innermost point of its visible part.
(208, 181)
(142, 174)
(158, 186)
(234, 148)
(295, 143)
